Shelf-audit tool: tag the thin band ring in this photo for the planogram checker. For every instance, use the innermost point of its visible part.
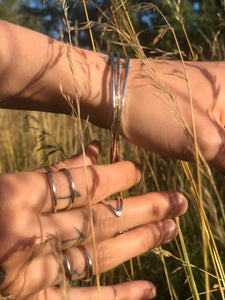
(48, 173)
(117, 211)
(73, 193)
(89, 271)
(68, 269)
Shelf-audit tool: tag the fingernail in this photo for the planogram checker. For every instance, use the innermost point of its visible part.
(170, 231)
(183, 202)
(150, 293)
(139, 171)
(179, 204)
(95, 145)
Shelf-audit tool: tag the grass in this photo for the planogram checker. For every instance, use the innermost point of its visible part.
(193, 265)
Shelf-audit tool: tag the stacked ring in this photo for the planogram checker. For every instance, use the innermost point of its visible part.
(89, 270)
(73, 193)
(72, 187)
(48, 173)
(68, 270)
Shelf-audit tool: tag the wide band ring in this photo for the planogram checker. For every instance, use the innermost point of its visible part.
(89, 265)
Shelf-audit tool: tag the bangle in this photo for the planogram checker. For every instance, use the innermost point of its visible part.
(118, 103)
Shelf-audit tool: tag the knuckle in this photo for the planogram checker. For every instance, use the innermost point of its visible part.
(59, 165)
(97, 181)
(145, 240)
(130, 170)
(212, 147)
(153, 209)
(10, 189)
(107, 225)
(158, 234)
(127, 174)
(151, 237)
(105, 259)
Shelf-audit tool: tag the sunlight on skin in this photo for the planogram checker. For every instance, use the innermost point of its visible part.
(148, 102)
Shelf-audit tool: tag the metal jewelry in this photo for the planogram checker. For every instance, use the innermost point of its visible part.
(73, 192)
(48, 173)
(117, 233)
(118, 103)
(68, 269)
(89, 269)
(118, 211)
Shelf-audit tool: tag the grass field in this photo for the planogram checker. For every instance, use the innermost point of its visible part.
(192, 267)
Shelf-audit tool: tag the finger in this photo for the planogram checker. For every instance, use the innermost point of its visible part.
(134, 290)
(45, 270)
(92, 152)
(74, 226)
(101, 181)
(129, 244)
(35, 189)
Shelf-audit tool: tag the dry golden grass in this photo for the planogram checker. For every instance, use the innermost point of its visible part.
(192, 265)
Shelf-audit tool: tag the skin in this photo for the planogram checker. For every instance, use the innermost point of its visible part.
(31, 79)
(33, 67)
(146, 221)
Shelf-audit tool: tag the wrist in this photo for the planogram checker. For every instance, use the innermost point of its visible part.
(95, 87)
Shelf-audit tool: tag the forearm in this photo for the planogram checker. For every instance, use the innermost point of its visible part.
(158, 96)
(35, 74)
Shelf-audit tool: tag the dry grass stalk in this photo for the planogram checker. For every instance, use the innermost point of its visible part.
(77, 115)
(197, 187)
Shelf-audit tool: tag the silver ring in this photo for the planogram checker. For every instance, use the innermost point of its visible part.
(53, 191)
(117, 233)
(118, 211)
(68, 269)
(89, 270)
(73, 192)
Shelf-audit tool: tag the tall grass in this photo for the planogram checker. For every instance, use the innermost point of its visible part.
(193, 265)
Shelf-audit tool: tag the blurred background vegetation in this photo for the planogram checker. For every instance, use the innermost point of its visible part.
(204, 22)
(31, 139)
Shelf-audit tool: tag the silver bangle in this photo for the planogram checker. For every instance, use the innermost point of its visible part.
(118, 103)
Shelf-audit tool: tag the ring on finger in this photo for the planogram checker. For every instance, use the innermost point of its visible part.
(72, 186)
(68, 269)
(89, 265)
(118, 233)
(118, 211)
(48, 173)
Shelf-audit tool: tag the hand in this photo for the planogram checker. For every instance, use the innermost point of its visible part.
(158, 115)
(31, 79)
(29, 268)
